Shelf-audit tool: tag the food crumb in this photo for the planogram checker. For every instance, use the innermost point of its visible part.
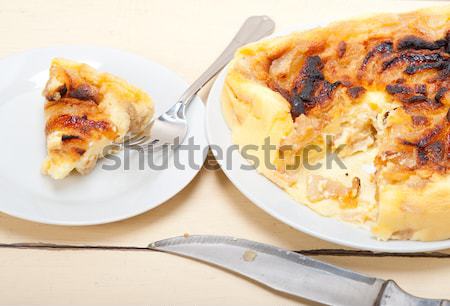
(249, 255)
(186, 235)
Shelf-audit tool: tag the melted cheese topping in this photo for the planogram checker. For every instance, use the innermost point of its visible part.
(378, 87)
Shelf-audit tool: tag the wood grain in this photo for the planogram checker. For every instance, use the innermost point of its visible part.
(151, 278)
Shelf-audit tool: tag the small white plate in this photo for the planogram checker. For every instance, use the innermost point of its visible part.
(280, 205)
(104, 195)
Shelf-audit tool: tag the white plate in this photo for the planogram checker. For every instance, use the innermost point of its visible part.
(280, 205)
(103, 195)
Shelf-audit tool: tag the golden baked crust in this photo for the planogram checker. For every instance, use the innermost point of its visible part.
(85, 111)
(378, 86)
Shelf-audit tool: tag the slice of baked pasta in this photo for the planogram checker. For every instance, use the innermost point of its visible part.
(86, 111)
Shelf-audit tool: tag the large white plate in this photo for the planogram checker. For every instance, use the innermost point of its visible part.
(280, 205)
(103, 195)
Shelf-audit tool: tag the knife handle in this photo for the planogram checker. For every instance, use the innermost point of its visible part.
(393, 295)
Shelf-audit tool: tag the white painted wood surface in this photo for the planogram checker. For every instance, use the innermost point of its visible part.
(185, 36)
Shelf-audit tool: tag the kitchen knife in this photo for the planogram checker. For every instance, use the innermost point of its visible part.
(292, 273)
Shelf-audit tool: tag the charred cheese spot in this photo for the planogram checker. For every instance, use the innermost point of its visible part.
(383, 48)
(310, 89)
(69, 137)
(81, 124)
(440, 94)
(84, 92)
(417, 43)
(356, 91)
(433, 147)
(411, 95)
(79, 151)
(57, 94)
(407, 94)
(428, 137)
(342, 48)
(419, 120)
(420, 89)
(395, 89)
(417, 61)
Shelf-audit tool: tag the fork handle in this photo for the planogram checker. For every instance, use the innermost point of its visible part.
(254, 28)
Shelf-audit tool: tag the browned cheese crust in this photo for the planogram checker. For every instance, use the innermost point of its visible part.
(379, 84)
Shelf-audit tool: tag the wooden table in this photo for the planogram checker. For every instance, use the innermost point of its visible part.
(109, 264)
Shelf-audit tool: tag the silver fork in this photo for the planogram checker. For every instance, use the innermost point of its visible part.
(171, 128)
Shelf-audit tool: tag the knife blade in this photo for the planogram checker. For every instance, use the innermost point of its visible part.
(292, 273)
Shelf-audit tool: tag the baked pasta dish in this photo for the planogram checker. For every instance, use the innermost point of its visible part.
(372, 92)
(85, 112)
